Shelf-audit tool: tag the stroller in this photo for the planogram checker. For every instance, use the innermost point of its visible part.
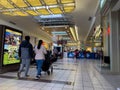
(47, 64)
(53, 58)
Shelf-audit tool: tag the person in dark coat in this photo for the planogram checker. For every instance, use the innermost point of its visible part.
(26, 54)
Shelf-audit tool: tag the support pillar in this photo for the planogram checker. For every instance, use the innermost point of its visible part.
(115, 42)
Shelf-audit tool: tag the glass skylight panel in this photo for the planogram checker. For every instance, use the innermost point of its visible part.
(51, 16)
(59, 33)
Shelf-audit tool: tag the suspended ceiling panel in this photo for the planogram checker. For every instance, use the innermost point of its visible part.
(69, 9)
(6, 4)
(19, 13)
(19, 3)
(32, 12)
(43, 11)
(56, 10)
(67, 1)
(35, 2)
(50, 2)
(41, 7)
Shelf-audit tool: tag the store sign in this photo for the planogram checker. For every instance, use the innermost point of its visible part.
(108, 30)
(102, 2)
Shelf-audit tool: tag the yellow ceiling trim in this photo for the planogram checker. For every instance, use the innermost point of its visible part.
(20, 13)
(32, 12)
(1, 6)
(67, 1)
(28, 6)
(8, 13)
(43, 11)
(56, 10)
(69, 8)
(6, 4)
(35, 2)
(50, 2)
(16, 13)
(19, 3)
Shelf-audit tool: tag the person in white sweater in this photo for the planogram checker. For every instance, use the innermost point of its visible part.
(40, 52)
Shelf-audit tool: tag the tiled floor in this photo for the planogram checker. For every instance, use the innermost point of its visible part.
(68, 74)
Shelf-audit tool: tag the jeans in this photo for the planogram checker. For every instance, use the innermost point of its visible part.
(39, 66)
(25, 63)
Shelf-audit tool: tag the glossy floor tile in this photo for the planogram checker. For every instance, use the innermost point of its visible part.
(68, 74)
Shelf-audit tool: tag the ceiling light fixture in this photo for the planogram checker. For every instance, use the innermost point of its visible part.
(76, 29)
(73, 33)
(36, 7)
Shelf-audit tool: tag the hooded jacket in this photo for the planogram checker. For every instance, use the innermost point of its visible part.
(25, 50)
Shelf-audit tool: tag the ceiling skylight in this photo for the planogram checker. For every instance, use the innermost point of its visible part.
(59, 33)
(52, 16)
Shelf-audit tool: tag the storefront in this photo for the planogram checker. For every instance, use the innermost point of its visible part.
(110, 23)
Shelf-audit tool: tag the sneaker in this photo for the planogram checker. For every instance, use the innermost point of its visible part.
(37, 77)
(27, 76)
(18, 74)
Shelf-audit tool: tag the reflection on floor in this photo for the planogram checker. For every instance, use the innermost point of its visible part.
(68, 74)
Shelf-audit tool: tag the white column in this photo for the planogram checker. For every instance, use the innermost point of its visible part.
(105, 37)
(114, 42)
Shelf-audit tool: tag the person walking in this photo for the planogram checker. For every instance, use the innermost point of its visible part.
(55, 52)
(26, 54)
(40, 52)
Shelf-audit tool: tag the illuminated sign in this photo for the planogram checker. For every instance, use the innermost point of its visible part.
(11, 45)
(108, 30)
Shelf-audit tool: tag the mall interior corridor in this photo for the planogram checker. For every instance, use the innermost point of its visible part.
(81, 37)
(68, 74)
